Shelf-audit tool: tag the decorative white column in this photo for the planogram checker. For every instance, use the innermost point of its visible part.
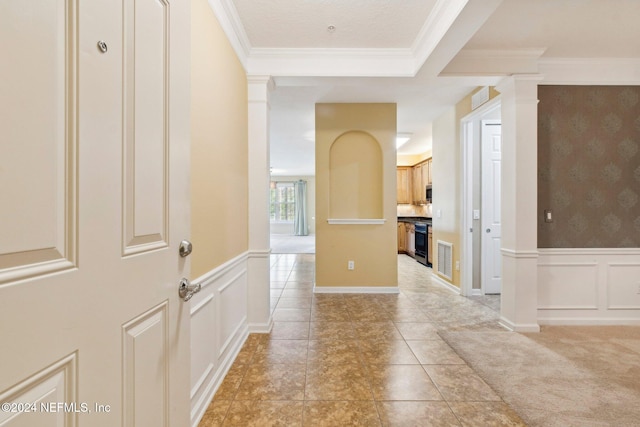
(258, 298)
(519, 307)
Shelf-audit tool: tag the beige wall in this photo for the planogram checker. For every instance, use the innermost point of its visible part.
(446, 173)
(372, 247)
(219, 175)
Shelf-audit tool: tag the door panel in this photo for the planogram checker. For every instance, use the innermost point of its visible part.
(146, 65)
(82, 172)
(38, 139)
(491, 203)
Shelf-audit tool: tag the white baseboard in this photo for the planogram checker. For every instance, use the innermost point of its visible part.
(437, 279)
(476, 292)
(534, 327)
(355, 289)
(261, 328)
(588, 321)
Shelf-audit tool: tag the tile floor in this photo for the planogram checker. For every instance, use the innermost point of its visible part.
(359, 359)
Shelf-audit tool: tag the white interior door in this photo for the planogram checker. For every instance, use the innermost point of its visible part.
(94, 191)
(491, 225)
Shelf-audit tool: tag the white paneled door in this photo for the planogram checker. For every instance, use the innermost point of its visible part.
(491, 223)
(94, 130)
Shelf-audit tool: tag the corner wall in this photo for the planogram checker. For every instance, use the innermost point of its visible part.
(219, 207)
(446, 173)
(373, 247)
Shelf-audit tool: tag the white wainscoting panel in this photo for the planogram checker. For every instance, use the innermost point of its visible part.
(624, 286)
(218, 329)
(568, 286)
(589, 286)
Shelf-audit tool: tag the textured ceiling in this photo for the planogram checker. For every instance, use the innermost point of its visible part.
(452, 46)
(358, 23)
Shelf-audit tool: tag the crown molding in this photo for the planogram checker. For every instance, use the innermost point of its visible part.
(439, 21)
(590, 71)
(227, 15)
(338, 62)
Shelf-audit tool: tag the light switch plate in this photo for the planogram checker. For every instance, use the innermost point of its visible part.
(476, 214)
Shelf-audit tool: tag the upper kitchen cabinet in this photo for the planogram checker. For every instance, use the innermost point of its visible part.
(421, 175)
(403, 184)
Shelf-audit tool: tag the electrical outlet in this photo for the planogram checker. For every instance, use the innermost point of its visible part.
(351, 265)
(457, 265)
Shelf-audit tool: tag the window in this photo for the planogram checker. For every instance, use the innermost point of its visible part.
(282, 201)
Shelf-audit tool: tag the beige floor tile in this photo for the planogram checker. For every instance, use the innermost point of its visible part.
(435, 353)
(396, 352)
(332, 314)
(263, 414)
(273, 382)
(370, 315)
(304, 302)
(418, 414)
(337, 382)
(215, 414)
(376, 331)
(329, 330)
(292, 315)
(333, 352)
(460, 383)
(418, 331)
(290, 331)
(297, 293)
(345, 413)
(402, 382)
(407, 315)
(282, 351)
(486, 414)
(229, 386)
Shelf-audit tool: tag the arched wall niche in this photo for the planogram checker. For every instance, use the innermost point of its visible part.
(355, 177)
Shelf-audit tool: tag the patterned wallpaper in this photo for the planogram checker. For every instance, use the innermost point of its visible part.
(589, 166)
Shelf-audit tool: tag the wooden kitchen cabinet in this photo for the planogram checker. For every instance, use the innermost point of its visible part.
(416, 175)
(402, 238)
(421, 176)
(403, 185)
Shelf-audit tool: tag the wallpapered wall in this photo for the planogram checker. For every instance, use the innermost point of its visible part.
(589, 166)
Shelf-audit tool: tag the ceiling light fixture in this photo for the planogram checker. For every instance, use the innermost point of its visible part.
(331, 28)
(401, 139)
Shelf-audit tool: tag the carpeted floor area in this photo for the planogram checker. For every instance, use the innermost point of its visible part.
(288, 244)
(563, 376)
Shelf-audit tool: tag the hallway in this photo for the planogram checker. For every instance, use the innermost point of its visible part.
(357, 359)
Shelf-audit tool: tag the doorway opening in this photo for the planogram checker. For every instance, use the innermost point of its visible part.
(480, 217)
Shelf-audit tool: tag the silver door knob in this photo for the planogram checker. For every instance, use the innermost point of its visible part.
(185, 248)
(186, 289)
(488, 230)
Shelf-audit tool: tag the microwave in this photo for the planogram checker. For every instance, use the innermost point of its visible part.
(429, 194)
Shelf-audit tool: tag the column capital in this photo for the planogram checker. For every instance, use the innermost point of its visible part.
(522, 86)
(260, 84)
